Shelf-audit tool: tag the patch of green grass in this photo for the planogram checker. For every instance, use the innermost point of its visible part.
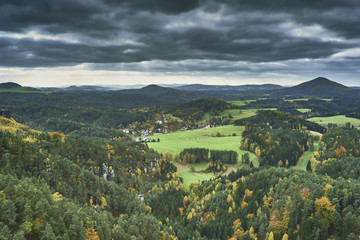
(296, 99)
(239, 113)
(339, 120)
(264, 109)
(171, 116)
(304, 110)
(307, 99)
(305, 158)
(201, 138)
(188, 176)
(242, 102)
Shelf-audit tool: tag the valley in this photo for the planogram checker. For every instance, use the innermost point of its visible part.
(271, 163)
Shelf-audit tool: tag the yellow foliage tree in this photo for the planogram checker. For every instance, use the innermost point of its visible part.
(279, 225)
(324, 207)
(327, 188)
(168, 156)
(271, 236)
(244, 204)
(238, 230)
(91, 234)
(234, 186)
(258, 151)
(229, 199)
(248, 193)
(57, 197)
(103, 202)
(189, 216)
(148, 209)
(181, 210)
(305, 193)
(285, 237)
(280, 163)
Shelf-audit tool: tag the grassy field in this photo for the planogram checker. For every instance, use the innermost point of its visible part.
(297, 99)
(200, 138)
(241, 102)
(188, 176)
(339, 120)
(239, 114)
(304, 110)
(171, 116)
(305, 158)
(307, 99)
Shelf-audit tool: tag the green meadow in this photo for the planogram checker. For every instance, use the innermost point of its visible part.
(189, 176)
(339, 120)
(201, 138)
(304, 110)
(305, 158)
(239, 113)
(307, 99)
(241, 102)
(296, 99)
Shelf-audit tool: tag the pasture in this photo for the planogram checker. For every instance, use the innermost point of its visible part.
(241, 102)
(200, 138)
(305, 158)
(304, 110)
(307, 99)
(239, 113)
(339, 120)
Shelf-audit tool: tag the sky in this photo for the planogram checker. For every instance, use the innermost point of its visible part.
(229, 42)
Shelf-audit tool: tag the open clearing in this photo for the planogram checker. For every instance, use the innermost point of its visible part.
(239, 113)
(201, 138)
(307, 99)
(244, 113)
(188, 176)
(339, 120)
(242, 102)
(305, 158)
(304, 110)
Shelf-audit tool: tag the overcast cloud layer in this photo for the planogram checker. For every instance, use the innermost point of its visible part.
(52, 42)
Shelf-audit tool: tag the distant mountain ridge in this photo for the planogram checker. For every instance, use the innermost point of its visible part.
(146, 96)
(318, 87)
(14, 87)
(9, 85)
(222, 89)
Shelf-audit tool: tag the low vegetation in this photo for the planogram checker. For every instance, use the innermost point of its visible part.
(340, 120)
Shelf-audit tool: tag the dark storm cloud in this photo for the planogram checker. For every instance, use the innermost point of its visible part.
(72, 32)
(165, 6)
(66, 14)
(340, 16)
(29, 53)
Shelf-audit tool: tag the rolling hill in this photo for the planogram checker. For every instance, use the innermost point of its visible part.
(318, 87)
(14, 87)
(227, 89)
(149, 95)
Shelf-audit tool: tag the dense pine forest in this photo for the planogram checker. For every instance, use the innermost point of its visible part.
(89, 172)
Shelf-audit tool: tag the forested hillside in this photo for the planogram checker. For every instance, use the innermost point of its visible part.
(91, 180)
